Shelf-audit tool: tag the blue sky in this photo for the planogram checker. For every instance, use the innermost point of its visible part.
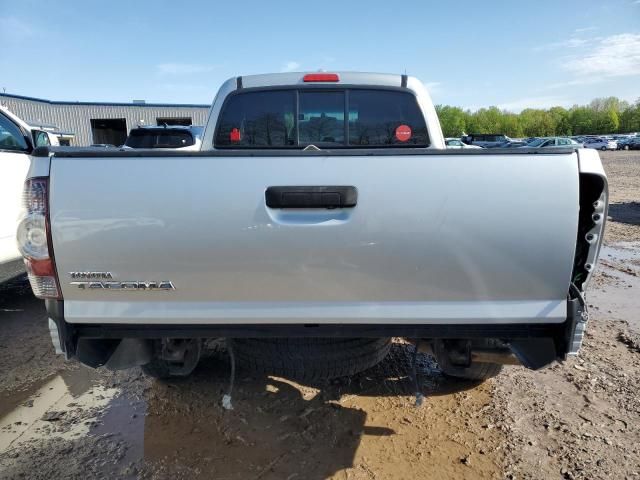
(472, 54)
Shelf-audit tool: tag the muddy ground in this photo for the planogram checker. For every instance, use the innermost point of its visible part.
(579, 419)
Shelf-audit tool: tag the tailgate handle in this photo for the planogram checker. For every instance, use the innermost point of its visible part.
(311, 197)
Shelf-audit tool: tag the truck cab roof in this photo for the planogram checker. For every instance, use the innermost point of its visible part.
(298, 78)
(338, 81)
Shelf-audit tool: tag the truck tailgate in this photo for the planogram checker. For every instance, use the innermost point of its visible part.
(434, 238)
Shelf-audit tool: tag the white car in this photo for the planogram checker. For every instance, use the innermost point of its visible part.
(17, 140)
(601, 144)
(15, 146)
(457, 143)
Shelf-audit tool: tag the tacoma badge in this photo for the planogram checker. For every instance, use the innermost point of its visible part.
(130, 285)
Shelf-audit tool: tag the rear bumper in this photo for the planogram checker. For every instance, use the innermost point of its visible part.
(316, 330)
(562, 335)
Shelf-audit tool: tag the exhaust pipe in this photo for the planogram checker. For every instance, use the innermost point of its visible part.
(501, 356)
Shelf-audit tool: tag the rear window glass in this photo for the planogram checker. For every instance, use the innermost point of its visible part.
(385, 118)
(258, 119)
(326, 118)
(165, 138)
(321, 118)
(489, 138)
(536, 143)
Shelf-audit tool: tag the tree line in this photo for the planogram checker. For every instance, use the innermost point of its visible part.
(601, 116)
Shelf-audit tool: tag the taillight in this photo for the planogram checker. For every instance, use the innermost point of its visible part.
(321, 77)
(34, 239)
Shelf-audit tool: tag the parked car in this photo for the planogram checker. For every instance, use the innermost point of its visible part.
(485, 140)
(284, 235)
(600, 144)
(627, 142)
(632, 144)
(579, 139)
(457, 143)
(552, 142)
(165, 137)
(17, 140)
(621, 142)
(39, 136)
(513, 144)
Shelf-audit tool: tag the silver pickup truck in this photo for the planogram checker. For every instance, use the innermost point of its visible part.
(322, 217)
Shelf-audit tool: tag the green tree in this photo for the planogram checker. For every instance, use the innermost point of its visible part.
(582, 120)
(452, 120)
(611, 121)
(485, 120)
(510, 125)
(630, 118)
(561, 121)
(605, 114)
(600, 116)
(536, 123)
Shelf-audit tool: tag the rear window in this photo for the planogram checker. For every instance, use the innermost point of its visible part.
(489, 138)
(536, 143)
(321, 118)
(325, 118)
(159, 138)
(479, 137)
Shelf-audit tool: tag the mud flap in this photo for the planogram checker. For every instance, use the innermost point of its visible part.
(114, 354)
(132, 352)
(534, 353)
(95, 352)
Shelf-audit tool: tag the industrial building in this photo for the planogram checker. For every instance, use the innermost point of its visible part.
(87, 123)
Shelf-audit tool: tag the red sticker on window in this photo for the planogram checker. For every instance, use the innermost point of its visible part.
(234, 135)
(403, 133)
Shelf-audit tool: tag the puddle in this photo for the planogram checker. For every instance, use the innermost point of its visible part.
(10, 401)
(627, 253)
(619, 297)
(63, 406)
(125, 419)
(278, 429)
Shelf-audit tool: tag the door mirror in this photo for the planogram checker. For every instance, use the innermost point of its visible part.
(41, 138)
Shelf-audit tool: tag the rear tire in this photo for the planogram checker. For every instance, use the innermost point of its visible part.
(173, 358)
(626, 147)
(475, 370)
(310, 359)
(603, 148)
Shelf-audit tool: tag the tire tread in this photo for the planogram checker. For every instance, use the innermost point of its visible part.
(310, 359)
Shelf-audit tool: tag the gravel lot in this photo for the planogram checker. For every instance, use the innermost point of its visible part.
(580, 419)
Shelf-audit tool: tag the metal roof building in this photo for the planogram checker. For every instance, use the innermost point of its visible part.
(99, 122)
